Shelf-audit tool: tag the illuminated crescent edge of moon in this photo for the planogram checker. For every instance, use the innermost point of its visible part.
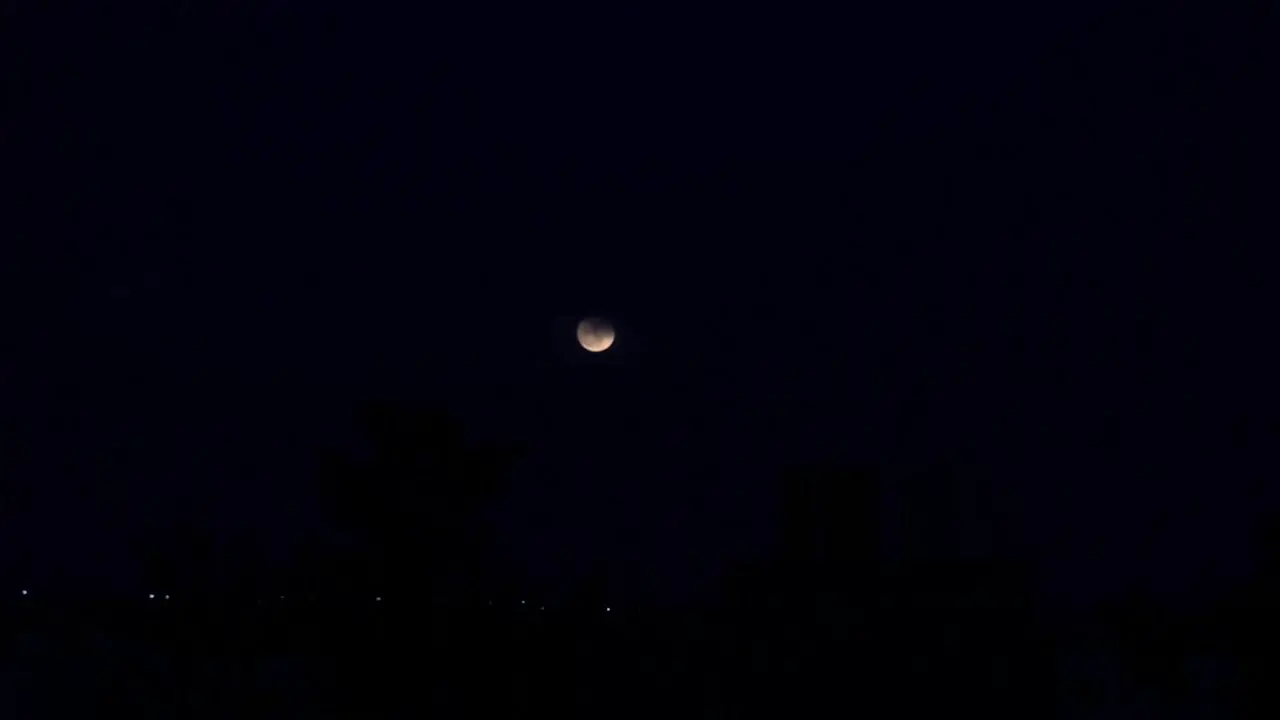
(596, 339)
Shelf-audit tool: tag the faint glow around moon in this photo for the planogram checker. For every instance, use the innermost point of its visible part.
(595, 334)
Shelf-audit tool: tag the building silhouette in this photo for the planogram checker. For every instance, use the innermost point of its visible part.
(829, 529)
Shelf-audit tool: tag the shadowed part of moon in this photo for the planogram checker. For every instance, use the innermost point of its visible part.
(595, 335)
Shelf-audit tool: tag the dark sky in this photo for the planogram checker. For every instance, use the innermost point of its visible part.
(1011, 240)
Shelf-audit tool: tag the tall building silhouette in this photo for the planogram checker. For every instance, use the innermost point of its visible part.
(830, 526)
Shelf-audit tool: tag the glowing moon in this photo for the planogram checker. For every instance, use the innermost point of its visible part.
(595, 334)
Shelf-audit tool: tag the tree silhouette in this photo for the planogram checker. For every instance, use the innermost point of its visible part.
(413, 502)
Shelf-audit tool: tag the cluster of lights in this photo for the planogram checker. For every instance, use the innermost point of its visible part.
(152, 596)
(544, 607)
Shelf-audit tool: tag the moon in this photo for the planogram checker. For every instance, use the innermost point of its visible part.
(595, 334)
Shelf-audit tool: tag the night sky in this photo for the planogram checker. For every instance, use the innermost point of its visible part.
(1001, 255)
